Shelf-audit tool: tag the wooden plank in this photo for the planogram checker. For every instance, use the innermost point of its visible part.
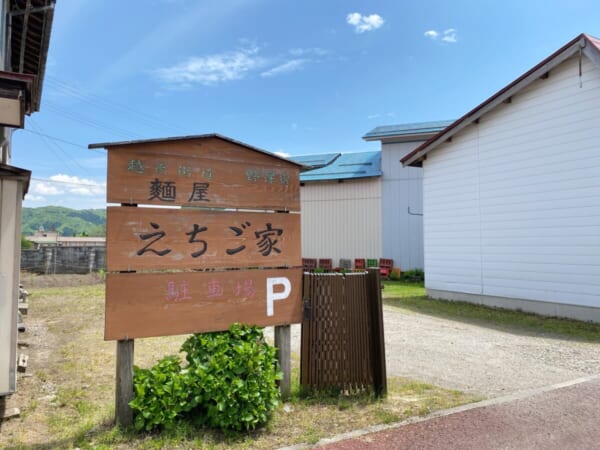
(283, 342)
(9, 413)
(124, 382)
(22, 364)
(162, 304)
(210, 172)
(161, 238)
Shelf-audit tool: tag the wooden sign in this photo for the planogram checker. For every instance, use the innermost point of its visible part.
(204, 172)
(231, 206)
(143, 305)
(158, 238)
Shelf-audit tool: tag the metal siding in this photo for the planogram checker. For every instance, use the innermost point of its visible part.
(512, 203)
(402, 233)
(9, 269)
(341, 220)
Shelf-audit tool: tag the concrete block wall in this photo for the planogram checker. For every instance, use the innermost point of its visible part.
(53, 260)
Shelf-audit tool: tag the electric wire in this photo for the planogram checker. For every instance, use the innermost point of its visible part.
(110, 105)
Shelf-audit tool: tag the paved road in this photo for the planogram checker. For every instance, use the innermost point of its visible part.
(563, 418)
(476, 359)
(514, 370)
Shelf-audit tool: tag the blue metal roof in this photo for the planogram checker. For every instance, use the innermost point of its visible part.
(407, 129)
(346, 166)
(315, 161)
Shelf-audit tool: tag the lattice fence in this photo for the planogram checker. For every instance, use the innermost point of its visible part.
(342, 332)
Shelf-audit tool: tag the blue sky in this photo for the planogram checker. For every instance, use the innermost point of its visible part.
(285, 76)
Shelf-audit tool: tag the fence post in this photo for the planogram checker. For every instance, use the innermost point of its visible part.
(378, 340)
(124, 386)
(283, 342)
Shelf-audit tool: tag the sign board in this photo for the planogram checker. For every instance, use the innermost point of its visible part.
(207, 172)
(159, 239)
(150, 304)
(227, 250)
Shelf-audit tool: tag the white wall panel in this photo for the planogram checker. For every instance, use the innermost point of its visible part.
(341, 220)
(512, 204)
(10, 232)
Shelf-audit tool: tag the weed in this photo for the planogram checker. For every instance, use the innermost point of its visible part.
(411, 297)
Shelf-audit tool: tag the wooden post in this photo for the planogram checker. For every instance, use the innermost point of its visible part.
(124, 387)
(283, 342)
(377, 335)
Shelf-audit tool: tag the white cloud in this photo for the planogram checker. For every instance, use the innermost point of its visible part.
(316, 51)
(289, 66)
(213, 69)
(66, 185)
(66, 190)
(283, 154)
(34, 198)
(236, 65)
(364, 23)
(448, 36)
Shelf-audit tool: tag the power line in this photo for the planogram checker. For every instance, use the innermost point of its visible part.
(109, 105)
(64, 141)
(47, 180)
(57, 146)
(77, 117)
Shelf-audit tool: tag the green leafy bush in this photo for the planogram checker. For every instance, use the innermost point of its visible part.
(160, 394)
(229, 382)
(395, 276)
(414, 275)
(25, 244)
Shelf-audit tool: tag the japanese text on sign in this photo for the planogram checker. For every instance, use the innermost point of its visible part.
(266, 240)
(164, 188)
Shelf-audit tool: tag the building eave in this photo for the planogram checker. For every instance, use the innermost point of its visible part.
(30, 25)
(583, 43)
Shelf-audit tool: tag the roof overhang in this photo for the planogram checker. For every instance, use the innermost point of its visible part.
(418, 137)
(408, 132)
(29, 27)
(15, 98)
(109, 145)
(15, 173)
(582, 44)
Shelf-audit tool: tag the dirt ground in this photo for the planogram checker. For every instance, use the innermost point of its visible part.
(38, 389)
(452, 354)
(33, 281)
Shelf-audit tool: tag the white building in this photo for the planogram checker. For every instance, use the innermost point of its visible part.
(512, 192)
(341, 206)
(366, 205)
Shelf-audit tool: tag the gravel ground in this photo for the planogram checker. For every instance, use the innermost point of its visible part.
(476, 359)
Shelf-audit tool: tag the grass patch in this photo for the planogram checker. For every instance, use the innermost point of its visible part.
(70, 399)
(411, 297)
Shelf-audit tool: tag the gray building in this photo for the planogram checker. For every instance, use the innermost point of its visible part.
(402, 191)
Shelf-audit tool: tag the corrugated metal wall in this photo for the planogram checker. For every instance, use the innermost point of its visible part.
(512, 205)
(402, 188)
(341, 220)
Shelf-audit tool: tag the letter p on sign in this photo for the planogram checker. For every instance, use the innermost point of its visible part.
(272, 296)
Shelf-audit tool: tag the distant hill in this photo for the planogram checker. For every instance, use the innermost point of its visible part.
(69, 222)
